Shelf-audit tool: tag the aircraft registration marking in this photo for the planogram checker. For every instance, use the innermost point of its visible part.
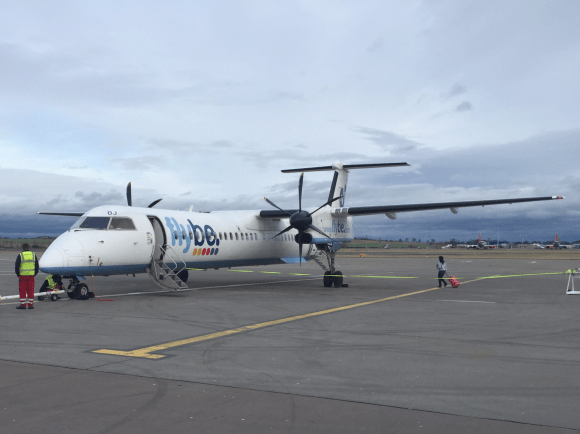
(147, 352)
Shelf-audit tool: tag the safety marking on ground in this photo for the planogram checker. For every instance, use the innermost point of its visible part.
(147, 352)
(518, 275)
(386, 277)
(470, 301)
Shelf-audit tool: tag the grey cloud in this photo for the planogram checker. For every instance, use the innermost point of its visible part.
(96, 198)
(389, 140)
(69, 78)
(221, 144)
(455, 90)
(465, 106)
(377, 45)
(145, 162)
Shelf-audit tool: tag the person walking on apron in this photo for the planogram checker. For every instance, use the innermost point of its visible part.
(442, 267)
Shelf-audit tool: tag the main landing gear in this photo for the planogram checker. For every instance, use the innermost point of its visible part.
(332, 277)
(77, 290)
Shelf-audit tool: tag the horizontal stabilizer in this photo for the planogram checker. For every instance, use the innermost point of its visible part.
(345, 166)
(70, 214)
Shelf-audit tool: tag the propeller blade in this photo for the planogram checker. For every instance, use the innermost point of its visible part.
(129, 201)
(284, 231)
(276, 206)
(154, 203)
(327, 203)
(300, 253)
(314, 228)
(300, 182)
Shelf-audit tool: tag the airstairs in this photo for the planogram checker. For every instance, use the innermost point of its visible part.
(165, 270)
(318, 255)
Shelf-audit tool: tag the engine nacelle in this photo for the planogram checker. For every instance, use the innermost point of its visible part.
(304, 238)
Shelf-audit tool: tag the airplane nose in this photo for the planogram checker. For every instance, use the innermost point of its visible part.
(51, 259)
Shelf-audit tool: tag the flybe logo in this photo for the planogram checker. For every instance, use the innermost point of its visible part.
(204, 240)
(337, 228)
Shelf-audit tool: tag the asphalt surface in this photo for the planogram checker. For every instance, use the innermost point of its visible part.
(494, 355)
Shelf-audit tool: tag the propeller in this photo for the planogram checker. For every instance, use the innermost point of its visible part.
(130, 200)
(302, 220)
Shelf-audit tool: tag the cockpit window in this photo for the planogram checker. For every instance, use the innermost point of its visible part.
(77, 223)
(122, 223)
(99, 223)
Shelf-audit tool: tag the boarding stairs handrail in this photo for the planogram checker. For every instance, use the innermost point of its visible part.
(160, 272)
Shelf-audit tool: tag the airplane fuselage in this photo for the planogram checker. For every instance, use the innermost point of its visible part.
(114, 239)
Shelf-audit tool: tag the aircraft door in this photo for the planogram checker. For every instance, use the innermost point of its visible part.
(159, 239)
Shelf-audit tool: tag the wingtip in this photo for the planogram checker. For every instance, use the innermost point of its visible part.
(558, 197)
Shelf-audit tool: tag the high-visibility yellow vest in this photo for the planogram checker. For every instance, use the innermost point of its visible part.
(27, 264)
(51, 282)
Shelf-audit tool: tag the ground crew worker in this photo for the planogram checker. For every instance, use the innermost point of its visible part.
(442, 267)
(51, 283)
(26, 267)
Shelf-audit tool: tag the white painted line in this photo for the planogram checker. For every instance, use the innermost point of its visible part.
(470, 301)
(210, 287)
(190, 289)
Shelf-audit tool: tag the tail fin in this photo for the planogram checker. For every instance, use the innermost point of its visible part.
(556, 237)
(340, 179)
(480, 237)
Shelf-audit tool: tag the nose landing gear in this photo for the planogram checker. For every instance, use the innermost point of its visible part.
(77, 290)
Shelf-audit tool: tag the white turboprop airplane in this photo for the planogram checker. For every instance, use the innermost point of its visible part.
(114, 239)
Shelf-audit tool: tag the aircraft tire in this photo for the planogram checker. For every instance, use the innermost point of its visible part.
(337, 279)
(327, 279)
(71, 295)
(53, 297)
(81, 292)
(40, 297)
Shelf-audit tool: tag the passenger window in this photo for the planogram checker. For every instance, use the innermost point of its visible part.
(198, 235)
(255, 236)
(231, 238)
(251, 237)
(123, 223)
(236, 236)
(175, 235)
(220, 235)
(99, 223)
(247, 239)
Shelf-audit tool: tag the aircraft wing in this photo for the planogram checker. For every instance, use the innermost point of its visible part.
(71, 214)
(393, 209)
(370, 210)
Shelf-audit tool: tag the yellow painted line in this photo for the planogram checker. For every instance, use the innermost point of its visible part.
(519, 275)
(241, 271)
(387, 277)
(146, 353)
(299, 274)
(270, 272)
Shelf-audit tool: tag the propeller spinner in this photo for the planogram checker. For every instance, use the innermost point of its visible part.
(302, 220)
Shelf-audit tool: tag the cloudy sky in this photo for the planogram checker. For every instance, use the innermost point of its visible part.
(204, 103)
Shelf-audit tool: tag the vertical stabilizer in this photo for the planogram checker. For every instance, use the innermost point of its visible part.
(338, 186)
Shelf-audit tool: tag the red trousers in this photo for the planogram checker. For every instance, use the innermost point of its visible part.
(26, 289)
